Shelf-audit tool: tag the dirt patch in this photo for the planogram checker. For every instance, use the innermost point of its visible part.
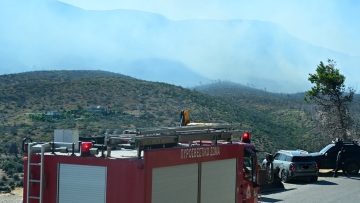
(325, 170)
(326, 173)
(14, 196)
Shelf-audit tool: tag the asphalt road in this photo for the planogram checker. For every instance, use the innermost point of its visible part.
(326, 189)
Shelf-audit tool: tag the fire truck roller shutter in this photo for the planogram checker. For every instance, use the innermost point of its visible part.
(77, 183)
(168, 181)
(218, 181)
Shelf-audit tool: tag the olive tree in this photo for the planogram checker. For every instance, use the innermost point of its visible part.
(332, 100)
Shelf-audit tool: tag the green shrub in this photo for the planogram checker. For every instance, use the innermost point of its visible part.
(16, 177)
(20, 183)
(5, 189)
(12, 183)
(3, 178)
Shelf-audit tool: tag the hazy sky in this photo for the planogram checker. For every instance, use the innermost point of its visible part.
(332, 24)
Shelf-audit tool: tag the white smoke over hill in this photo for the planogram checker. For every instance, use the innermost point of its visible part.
(49, 35)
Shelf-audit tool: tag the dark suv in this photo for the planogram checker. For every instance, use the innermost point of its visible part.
(326, 158)
(293, 164)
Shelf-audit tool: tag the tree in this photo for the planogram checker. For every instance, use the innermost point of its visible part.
(330, 96)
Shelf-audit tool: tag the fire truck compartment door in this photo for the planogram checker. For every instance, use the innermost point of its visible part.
(175, 184)
(81, 183)
(218, 181)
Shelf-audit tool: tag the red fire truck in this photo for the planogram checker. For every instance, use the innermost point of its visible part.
(209, 163)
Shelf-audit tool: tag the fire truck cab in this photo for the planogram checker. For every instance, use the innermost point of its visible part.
(201, 164)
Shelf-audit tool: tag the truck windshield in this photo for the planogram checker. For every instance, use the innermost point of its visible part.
(325, 149)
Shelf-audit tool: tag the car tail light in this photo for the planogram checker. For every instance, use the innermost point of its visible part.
(292, 167)
(316, 166)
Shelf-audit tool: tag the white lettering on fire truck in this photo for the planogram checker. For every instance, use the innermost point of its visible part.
(190, 153)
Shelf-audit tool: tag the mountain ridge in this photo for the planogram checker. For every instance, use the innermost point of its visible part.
(58, 36)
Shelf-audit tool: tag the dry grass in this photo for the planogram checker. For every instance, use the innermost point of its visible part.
(14, 196)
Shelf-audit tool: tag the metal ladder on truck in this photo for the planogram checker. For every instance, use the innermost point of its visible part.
(31, 149)
(147, 137)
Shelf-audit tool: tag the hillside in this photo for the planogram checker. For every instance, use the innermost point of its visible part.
(284, 117)
(125, 102)
(33, 104)
(275, 116)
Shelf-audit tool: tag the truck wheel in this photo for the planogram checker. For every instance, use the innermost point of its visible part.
(352, 168)
(284, 176)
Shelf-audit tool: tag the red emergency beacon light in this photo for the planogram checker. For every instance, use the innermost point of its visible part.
(85, 148)
(246, 137)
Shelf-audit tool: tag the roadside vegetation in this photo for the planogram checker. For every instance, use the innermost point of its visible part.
(11, 173)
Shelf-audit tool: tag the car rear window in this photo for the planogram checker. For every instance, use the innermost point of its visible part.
(302, 159)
